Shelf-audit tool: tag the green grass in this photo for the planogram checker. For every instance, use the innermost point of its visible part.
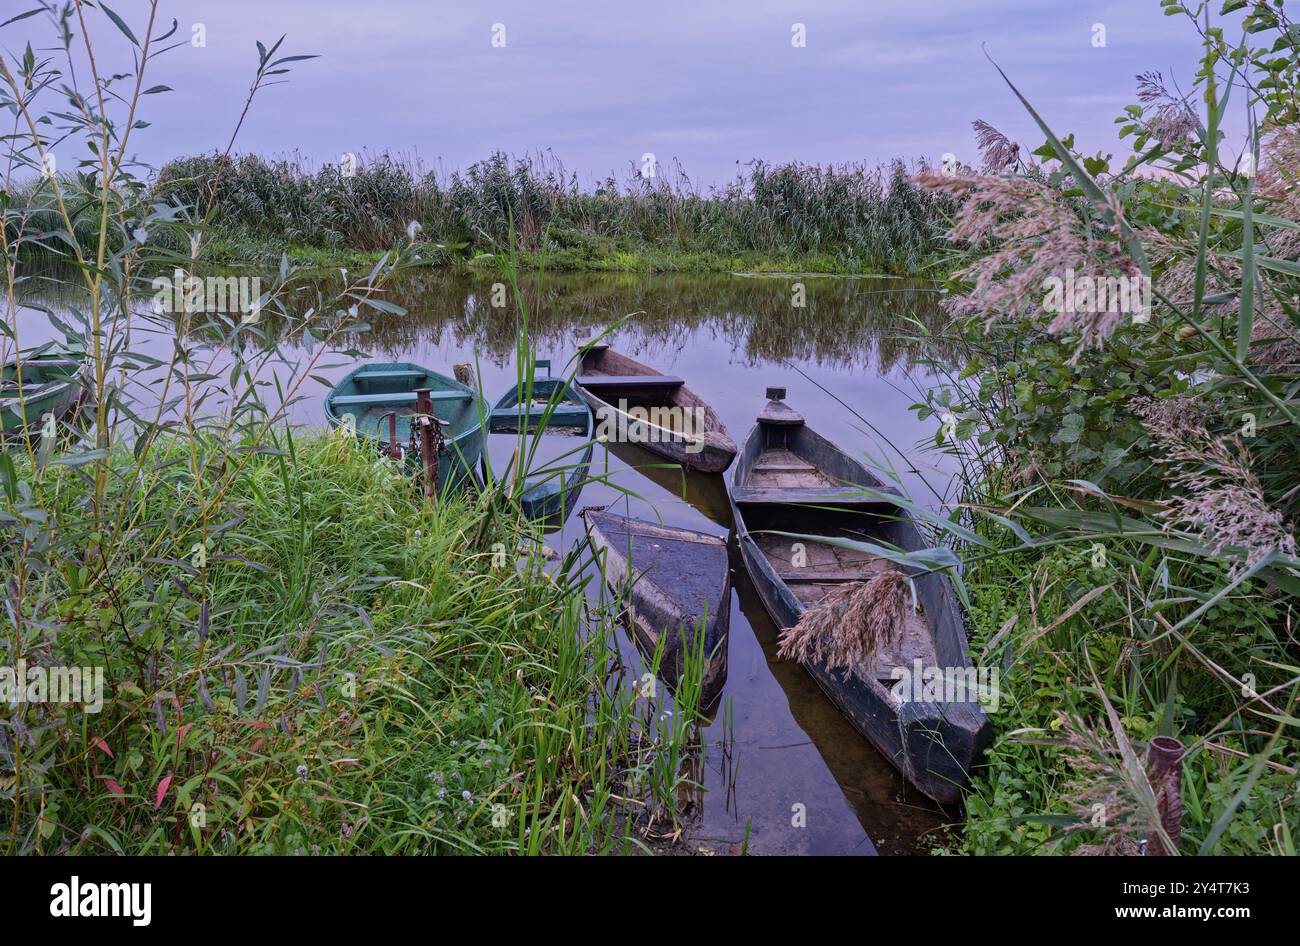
(1025, 798)
(228, 246)
(367, 674)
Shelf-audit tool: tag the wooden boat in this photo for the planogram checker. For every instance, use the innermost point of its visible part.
(379, 398)
(680, 582)
(791, 479)
(635, 403)
(51, 384)
(555, 407)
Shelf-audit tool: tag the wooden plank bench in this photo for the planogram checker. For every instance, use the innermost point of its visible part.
(630, 381)
(809, 495)
(508, 417)
(388, 374)
(537, 412)
(396, 397)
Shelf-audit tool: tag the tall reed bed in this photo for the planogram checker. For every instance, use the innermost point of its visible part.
(1128, 470)
(850, 218)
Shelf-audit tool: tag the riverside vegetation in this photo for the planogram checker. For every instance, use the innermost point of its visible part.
(1129, 479)
(300, 654)
(316, 673)
(792, 217)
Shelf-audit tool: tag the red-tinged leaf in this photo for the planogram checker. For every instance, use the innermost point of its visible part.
(256, 724)
(114, 787)
(162, 792)
(103, 745)
(180, 733)
(257, 745)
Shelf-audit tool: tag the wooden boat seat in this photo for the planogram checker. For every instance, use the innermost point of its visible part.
(595, 381)
(808, 495)
(510, 415)
(388, 375)
(397, 397)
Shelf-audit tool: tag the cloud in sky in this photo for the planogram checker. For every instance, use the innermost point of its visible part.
(601, 84)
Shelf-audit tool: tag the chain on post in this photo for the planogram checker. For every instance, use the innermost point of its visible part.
(439, 447)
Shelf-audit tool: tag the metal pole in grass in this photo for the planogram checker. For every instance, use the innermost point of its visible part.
(1166, 773)
(425, 420)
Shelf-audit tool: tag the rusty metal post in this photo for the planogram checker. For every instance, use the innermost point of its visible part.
(1165, 768)
(425, 420)
(394, 448)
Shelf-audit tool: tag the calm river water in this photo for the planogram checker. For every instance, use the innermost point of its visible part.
(730, 337)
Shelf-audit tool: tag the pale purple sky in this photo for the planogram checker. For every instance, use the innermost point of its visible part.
(600, 84)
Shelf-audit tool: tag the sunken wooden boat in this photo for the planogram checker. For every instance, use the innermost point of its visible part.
(634, 403)
(548, 405)
(34, 385)
(680, 586)
(378, 400)
(788, 478)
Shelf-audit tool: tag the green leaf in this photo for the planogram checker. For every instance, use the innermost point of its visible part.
(1246, 315)
(121, 24)
(8, 477)
(22, 16)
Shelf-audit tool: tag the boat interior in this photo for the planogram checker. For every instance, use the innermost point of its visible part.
(818, 569)
(553, 408)
(38, 374)
(611, 376)
(778, 477)
(371, 395)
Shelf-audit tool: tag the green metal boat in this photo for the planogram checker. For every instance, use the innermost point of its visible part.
(51, 384)
(377, 401)
(553, 407)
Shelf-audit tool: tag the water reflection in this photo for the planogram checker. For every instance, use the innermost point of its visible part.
(780, 745)
(841, 323)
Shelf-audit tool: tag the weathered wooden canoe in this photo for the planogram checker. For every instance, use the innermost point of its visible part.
(552, 406)
(789, 478)
(51, 384)
(377, 400)
(680, 582)
(637, 404)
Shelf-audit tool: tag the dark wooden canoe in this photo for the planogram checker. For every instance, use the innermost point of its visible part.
(680, 581)
(548, 405)
(377, 400)
(51, 383)
(791, 479)
(635, 403)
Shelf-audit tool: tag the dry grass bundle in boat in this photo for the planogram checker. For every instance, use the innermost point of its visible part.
(853, 622)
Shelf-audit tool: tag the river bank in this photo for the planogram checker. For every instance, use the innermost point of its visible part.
(851, 219)
(327, 666)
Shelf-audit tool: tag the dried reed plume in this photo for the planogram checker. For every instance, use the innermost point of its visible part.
(1033, 236)
(1108, 789)
(999, 152)
(1174, 120)
(852, 624)
(1218, 494)
(1279, 182)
